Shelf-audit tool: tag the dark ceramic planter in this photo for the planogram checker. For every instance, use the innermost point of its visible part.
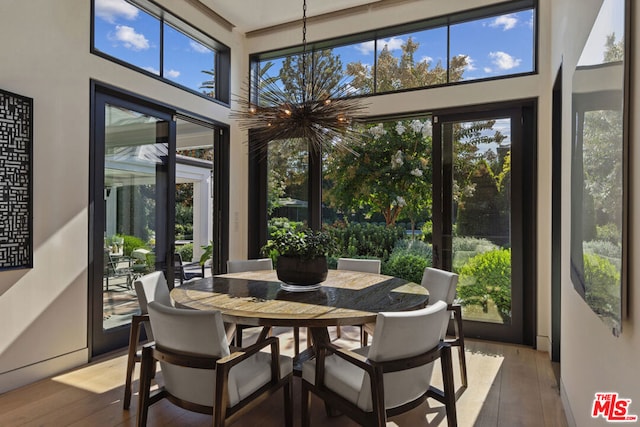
(298, 271)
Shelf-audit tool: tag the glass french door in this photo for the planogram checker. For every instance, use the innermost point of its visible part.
(483, 218)
(133, 169)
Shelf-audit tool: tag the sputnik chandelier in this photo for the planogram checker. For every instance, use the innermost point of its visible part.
(316, 110)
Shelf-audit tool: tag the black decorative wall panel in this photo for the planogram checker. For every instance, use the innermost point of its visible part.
(16, 140)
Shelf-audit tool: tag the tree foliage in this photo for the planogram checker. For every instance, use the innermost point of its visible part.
(393, 73)
(393, 171)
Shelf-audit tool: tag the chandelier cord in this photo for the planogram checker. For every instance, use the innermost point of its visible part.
(304, 51)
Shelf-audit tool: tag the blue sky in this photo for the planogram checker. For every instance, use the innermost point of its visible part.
(495, 46)
(127, 33)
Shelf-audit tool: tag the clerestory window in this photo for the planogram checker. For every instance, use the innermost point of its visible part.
(149, 39)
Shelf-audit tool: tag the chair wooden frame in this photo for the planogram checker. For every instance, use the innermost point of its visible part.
(222, 414)
(376, 370)
(458, 341)
(134, 355)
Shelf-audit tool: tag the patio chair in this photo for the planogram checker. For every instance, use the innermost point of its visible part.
(202, 374)
(112, 270)
(188, 271)
(355, 264)
(390, 377)
(150, 287)
(441, 285)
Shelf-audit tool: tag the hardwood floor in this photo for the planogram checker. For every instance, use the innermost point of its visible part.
(509, 385)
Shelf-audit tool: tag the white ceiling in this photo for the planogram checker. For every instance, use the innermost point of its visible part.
(250, 15)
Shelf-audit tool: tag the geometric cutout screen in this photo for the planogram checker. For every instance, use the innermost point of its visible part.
(16, 140)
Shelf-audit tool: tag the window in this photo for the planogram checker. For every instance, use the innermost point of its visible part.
(148, 38)
(496, 46)
(486, 43)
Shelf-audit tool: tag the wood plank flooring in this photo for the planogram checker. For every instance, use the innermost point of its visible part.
(509, 385)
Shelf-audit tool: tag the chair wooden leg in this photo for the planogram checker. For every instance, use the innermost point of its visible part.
(448, 387)
(238, 337)
(146, 366)
(459, 342)
(288, 403)
(338, 332)
(305, 406)
(296, 340)
(134, 337)
(364, 337)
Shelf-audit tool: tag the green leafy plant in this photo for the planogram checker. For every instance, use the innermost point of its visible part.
(602, 286)
(465, 248)
(406, 266)
(207, 254)
(305, 244)
(365, 240)
(186, 252)
(131, 243)
(487, 277)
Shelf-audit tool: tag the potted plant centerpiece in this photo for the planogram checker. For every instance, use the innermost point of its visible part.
(300, 256)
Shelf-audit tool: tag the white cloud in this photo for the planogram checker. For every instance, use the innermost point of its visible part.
(366, 47)
(394, 43)
(426, 59)
(487, 70)
(109, 10)
(507, 22)
(470, 63)
(172, 73)
(152, 70)
(197, 47)
(504, 61)
(131, 39)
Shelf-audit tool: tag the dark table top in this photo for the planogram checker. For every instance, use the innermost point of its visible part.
(345, 298)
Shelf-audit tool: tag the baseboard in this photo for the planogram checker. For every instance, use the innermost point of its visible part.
(571, 422)
(38, 371)
(543, 343)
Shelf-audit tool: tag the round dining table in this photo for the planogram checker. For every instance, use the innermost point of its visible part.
(257, 298)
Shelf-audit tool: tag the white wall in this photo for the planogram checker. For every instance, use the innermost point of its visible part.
(45, 55)
(593, 360)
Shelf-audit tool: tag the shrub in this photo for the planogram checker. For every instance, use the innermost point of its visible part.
(186, 252)
(605, 249)
(131, 243)
(486, 277)
(602, 286)
(608, 232)
(406, 266)
(465, 248)
(412, 247)
(427, 231)
(278, 223)
(365, 240)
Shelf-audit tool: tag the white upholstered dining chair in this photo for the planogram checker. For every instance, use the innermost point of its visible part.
(391, 376)
(357, 264)
(240, 265)
(150, 287)
(441, 285)
(201, 373)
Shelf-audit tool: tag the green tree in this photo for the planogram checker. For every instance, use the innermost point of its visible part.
(322, 71)
(392, 172)
(393, 73)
